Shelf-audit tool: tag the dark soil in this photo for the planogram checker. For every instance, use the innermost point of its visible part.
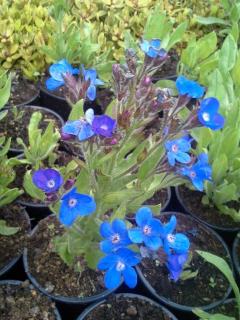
(229, 308)
(119, 307)
(169, 68)
(12, 246)
(160, 197)
(47, 267)
(17, 127)
(23, 302)
(192, 200)
(22, 91)
(200, 290)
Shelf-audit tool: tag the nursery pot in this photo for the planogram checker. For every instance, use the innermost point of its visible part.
(177, 295)
(94, 306)
(228, 308)
(13, 262)
(16, 151)
(236, 255)
(18, 283)
(228, 233)
(69, 300)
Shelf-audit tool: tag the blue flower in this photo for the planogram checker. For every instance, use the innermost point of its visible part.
(104, 125)
(148, 230)
(177, 150)
(57, 70)
(74, 204)
(177, 243)
(208, 114)
(91, 75)
(116, 236)
(119, 264)
(152, 48)
(199, 172)
(189, 88)
(175, 264)
(48, 180)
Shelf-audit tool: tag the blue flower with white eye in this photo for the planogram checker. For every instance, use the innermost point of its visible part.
(153, 48)
(73, 205)
(190, 88)
(104, 125)
(179, 243)
(175, 264)
(48, 180)
(57, 71)
(148, 229)
(116, 235)
(119, 264)
(177, 150)
(198, 172)
(208, 114)
(91, 76)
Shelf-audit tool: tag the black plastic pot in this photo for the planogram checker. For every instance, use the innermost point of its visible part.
(34, 100)
(228, 234)
(235, 255)
(127, 295)
(173, 305)
(58, 298)
(17, 283)
(15, 152)
(11, 264)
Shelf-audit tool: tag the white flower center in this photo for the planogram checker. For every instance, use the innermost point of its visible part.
(72, 202)
(193, 174)
(51, 183)
(174, 147)
(115, 238)
(104, 127)
(147, 230)
(206, 116)
(170, 238)
(120, 266)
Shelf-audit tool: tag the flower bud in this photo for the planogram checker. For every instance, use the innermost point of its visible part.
(66, 136)
(51, 197)
(68, 184)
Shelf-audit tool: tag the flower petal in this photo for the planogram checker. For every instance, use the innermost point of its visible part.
(107, 262)
(106, 230)
(130, 277)
(153, 242)
(181, 243)
(143, 215)
(119, 226)
(72, 127)
(112, 278)
(106, 246)
(52, 84)
(66, 216)
(135, 235)
(91, 92)
(183, 157)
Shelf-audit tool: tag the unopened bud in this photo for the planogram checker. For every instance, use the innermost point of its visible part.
(66, 136)
(51, 197)
(68, 184)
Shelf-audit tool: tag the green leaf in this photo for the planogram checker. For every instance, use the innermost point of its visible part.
(177, 35)
(30, 187)
(77, 111)
(207, 316)
(211, 20)
(219, 168)
(170, 84)
(151, 162)
(228, 53)
(157, 25)
(7, 231)
(5, 92)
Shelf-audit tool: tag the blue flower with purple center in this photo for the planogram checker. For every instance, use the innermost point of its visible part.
(148, 229)
(198, 172)
(190, 88)
(153, 48)
(57, 72)
(208, 114)
(91, 76)
(175, 264)
(119, 264)
(104, 125)
(73, 205)
(116, 235)
(177, 150)
(48, 180)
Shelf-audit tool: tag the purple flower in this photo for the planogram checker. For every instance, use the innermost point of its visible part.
(48, 180)
(104, 125)
(175, 264)
(199, 172)
(189, 88)
(148, 230)
(208, 114)
(57, 71)
(91, 75)
(74, 204)
(153, 48)
(119, 264)
(177, 150)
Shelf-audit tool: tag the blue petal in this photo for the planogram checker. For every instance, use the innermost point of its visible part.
(217, 123)
(85, 132)
(57, 70)
(198, 183)
(106, 246)
(135, 235)
(66, 216)
(183, 157)
(119, 226)
(70, 194)
(98, 82)
(168, 145)
(152, 53)
(170, 226)
(130, 277)
(85, 204)
(75, 71)
(156, 43)
(181, 243)
(156, 226)
(183, 144)
(52, 84)
(107, 262)
(144, 45)
(153, 242)
(91, 75)
(112, 278)
(143, 215)
(128, 256)
(72, 127)
(210, 105)
(91, 92)
(171, 158)
(106, 230)
(89, 115)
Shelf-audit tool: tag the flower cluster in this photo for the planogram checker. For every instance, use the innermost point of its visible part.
(152, 235)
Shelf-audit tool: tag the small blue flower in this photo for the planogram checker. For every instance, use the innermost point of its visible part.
(199, 172)
(189, 88)
(104, 125)
(116, 236)
(74, 204)
(119, 264)
(91, 75)
(48, 180)
(175, 264)
(208, 114)
(57, 70)
(148, 229)
(177, 150)
(152, 48)
(178, 242)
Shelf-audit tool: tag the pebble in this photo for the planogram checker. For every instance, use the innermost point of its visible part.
(49, 287)
(132, 311)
